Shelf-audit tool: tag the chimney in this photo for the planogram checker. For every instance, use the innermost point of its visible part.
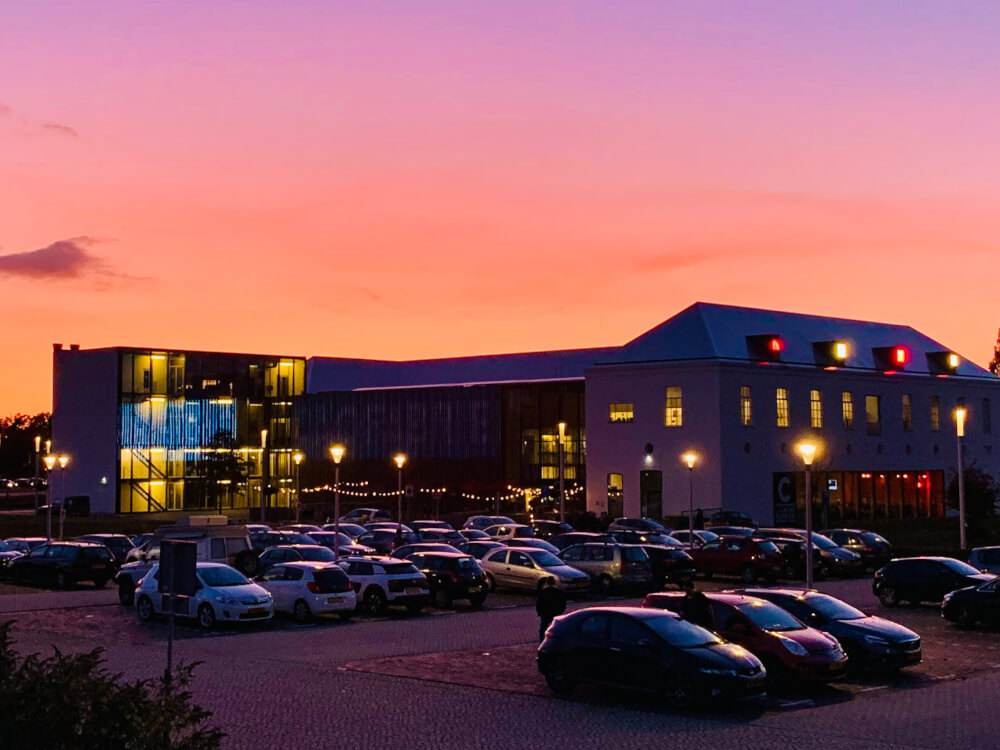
(57, 347)
(74, 347)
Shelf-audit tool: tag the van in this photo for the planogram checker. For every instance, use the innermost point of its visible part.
(215, 539)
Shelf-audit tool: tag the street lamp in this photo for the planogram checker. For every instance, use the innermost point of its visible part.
(50, 464)
(63, 460)
(38, 448)
(336, 453)
(265, 475)
(562, 472)
(400, 459)
(959, 434)
(297, 457)
(690, 458)
(808, 452)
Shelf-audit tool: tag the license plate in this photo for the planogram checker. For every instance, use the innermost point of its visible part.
(475, 589)
(412, 589)
(258, 612)
(334, 599)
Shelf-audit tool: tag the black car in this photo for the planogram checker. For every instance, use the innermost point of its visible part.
(868, 641)
(450, 576)
(646, 649)
(638, 524)
(474, 535)
(833, 560)
(119, 544)
(406, 550)
(548, 529)
(446, 536)
(384, 541)
(973, 604)
(874, 549)
(478, 548)
(670, 565)
(730, 518)
(261, 540)
(295, 553)
(793, 555)
(59, 564)
(645, 537)
(562, 541)
(923, 579)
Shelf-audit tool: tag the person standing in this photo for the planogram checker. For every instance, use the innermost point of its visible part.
(550, 604)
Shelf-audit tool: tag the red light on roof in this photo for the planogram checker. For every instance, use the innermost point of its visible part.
(775, 345)
(900, 355)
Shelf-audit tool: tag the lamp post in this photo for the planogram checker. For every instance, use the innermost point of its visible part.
(400, 459)
(959, 434)
(63, 460)
(808, 452)
(336, 453)
(297, 457)
(562, 472)
(38, 449)
(690, 458)
(265, 475)
(50, 464)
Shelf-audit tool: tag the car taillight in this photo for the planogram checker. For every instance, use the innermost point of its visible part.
(313, 587)
(139, 582)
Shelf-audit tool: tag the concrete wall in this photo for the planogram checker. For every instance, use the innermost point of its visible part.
(85, 425)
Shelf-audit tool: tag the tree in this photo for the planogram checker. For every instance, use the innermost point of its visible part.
(17, 442)
(995, 362)
(70, 701)
(982, 492)
(222, 468)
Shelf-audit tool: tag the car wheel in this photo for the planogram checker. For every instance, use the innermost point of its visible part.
(680, 692)
(477, 601)
(301, 611)
(558, 679)
(126, 591)
(206, 616)
(60, 579)
(748, 575)
(375, 601)
(144, 608)
(605, 585)
(442, 599)
(491, 584)
(888, 596)
(964, 618)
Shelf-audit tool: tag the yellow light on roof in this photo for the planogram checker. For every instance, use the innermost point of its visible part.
(953, 360)
(840, 350)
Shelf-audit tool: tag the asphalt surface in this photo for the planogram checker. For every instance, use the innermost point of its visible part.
(463, 678)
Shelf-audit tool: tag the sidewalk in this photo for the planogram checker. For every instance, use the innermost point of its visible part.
(59, 600)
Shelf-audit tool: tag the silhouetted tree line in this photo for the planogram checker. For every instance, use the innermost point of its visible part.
(17, 442)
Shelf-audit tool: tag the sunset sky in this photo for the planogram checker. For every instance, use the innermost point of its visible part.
(423, 179)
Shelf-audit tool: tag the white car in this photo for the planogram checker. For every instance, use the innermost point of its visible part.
(224, 594)
(502, 531)
(381, 581)
(305, 589)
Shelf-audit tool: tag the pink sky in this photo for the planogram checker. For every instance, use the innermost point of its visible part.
(420, 179)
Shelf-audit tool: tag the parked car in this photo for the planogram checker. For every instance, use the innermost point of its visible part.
(223, 594)
(384, 541)
(387, 526)
(347, 545)
(474, 534)
(503, 531)
(868, 641)
(451, 576)
(300, 528)
(973, 604)
(649, 650)
(74, 505)
(258, 528)
(314, 553)
(985, 559)
(612, 567)
(404, 552)
(734, 530)
(430, 524)
(730, 518)
(263, 540)
(352, 530)
(24, 544)
(484, 522)
(562, 541)
(793, 555)
(447, 536)
(119, 544)
(874, 549)
(60, 564)
(833, 559)
(701, 537)
(788, 647)
(645, 537)
(923, 579)
(741, 556)
(531, 542)
(647, 525)
(548, 529)
(306, 589)
(364, 515)
(531, 570)
(380, 582)
(478, 547)
(7, 553)
(670, 566)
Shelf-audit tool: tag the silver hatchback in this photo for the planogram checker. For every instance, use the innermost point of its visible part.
(532, 570)
(612, 566)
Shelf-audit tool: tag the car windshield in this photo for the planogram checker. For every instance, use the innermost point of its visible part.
(768, 546)
(960, 567)
(769, 616)
(823, 542)
(466, 563)
(222, 576)
(317, 554)
(834, 609)
(545, 559)
(635, 554)
(872, 538)
(681, 633)
(654, 526)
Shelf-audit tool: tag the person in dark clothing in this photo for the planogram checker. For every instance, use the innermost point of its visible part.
(696, 609)
(550, 604)
(699, 519)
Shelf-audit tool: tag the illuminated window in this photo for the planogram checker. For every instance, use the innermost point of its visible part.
(620, 413)
(550, 472)
(746, 406)
(873, 415)
(815, 408)
(616, 485)
(907, 412)
(847, 409)
(781, 402)
(673, 414)
(935, 413)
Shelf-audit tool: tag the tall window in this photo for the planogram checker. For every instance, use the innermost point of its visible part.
(935, 413)
(673, 414)
(620, 413)
(746, 406)
(987, 417)
(847, 408)
(907, 412)
(873, 414)
(781, 404)
(815, 408)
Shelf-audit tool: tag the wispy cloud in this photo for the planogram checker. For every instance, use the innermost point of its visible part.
(54, 127)
(4, 110)
(33, 127)
(62, 260)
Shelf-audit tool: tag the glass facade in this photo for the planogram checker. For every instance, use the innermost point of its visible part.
(858, 496)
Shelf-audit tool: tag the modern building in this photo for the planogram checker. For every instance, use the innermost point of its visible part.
(152, 430)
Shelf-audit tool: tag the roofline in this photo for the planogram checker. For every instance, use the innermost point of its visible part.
(456, 385)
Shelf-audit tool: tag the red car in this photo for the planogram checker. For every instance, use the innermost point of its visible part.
(788, 647)
(741, 556)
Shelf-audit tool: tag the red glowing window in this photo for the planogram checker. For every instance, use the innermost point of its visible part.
(900, 355)
(775, 345)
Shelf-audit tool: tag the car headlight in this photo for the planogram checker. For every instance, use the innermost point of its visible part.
(718, 672)
(876, 640)
(794, 647)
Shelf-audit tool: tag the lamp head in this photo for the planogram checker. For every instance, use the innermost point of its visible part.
(960, 421)
(38, 443)
(808, 452)
(298, 457)
(400, 459)
(336, 453)
(63, 460)
(50, 462)
(690, 458)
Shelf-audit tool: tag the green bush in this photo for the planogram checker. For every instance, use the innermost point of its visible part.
(71, 701)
